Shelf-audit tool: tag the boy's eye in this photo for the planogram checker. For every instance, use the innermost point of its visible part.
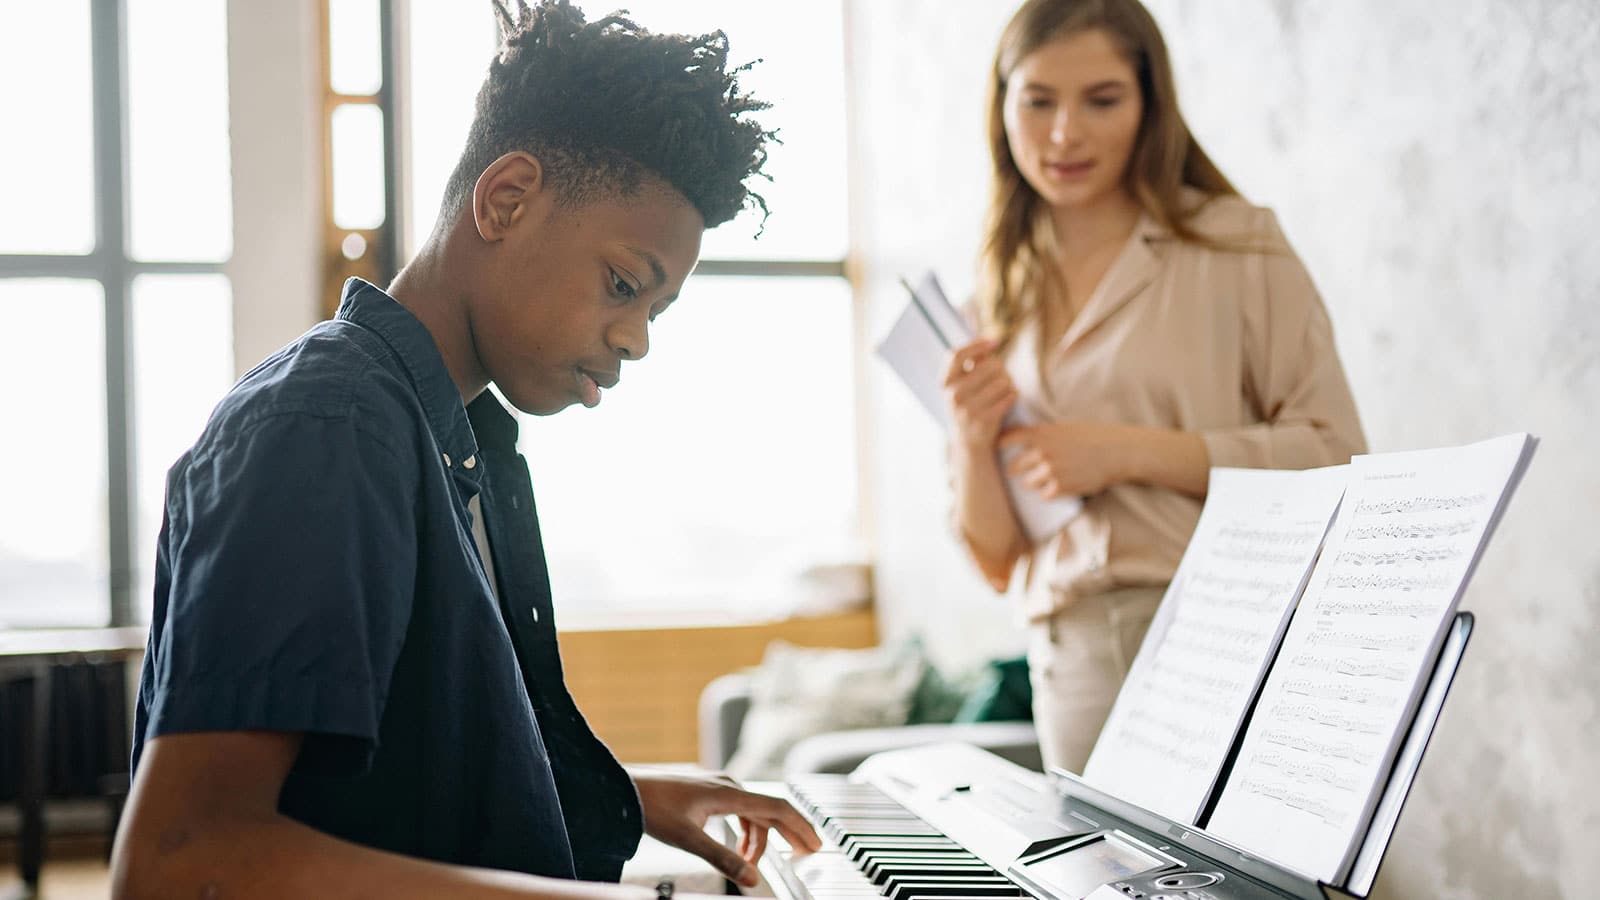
(621, 286)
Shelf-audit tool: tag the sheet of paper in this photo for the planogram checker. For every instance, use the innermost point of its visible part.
(919, 356)
(918, 347)
(1208, 648)
(1357, 653)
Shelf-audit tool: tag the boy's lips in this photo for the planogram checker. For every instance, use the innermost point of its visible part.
(606, 378)
(588, 390)
(590, 383)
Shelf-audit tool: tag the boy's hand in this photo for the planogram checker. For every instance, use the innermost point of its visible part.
(677, 807)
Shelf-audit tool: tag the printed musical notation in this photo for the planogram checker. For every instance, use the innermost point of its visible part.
(1204, 656)
(1370, 606)
(1193, 672)
(1260, 537)
(1388, 583)
(1158, 746)
(1349, 667)
(1348, 693)
(1304, 772)
(1330, 814)
(1404, 506)
(1412, 532)
(1226, 584)
(1148, 724)
(1329, 749)
(1355, 657)
(1418, 556)
(1318, 714)
(1362, 640)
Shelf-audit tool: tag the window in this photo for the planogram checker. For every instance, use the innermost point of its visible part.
(360, 233)
(115, 319)
(726, 460)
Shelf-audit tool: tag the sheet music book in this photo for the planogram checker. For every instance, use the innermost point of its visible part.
(1335, 653)
(918, 347)
(1207, 650)
(1356, 656)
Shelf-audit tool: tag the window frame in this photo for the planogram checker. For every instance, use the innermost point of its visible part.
(393, 97)
(112, 265)
(385, 243)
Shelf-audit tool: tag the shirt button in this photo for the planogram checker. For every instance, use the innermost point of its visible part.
(535, 611)
(446, 459)
(470, 462)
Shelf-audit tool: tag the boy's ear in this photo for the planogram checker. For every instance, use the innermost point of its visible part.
(506, 193)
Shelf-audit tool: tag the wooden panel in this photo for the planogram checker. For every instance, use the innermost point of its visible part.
(640, 687)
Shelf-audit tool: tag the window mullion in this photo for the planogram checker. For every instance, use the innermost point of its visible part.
(110, 54)
(391, 19)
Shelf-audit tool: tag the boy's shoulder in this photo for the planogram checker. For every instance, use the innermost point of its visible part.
(338, 373)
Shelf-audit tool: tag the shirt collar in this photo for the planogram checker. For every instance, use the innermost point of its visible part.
(370, 307)
(494, 425)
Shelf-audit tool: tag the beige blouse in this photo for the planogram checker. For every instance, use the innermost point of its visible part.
(1234, 345)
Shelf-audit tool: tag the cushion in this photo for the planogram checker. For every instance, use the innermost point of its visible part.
(1002, 694)
(799, 691)
(938, 697)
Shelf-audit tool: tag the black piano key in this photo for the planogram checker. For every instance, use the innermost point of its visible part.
(860, 848)
(892, 854)
(886, 827)
(907, 825)
(841, 829)
(834, 807)
(914, 890)
(911, 855)
(882, 873)
(832, 814)
(886, 880)
(882, 851)
(868, 850)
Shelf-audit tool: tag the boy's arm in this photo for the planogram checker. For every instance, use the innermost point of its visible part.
(202, 821)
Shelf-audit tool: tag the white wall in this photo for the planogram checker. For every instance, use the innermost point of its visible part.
(1438, 167)
(275, 95)
(919, 188)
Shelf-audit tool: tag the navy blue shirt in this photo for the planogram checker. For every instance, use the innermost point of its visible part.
(316, 572)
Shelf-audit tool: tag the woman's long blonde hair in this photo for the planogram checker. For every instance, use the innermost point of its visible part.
(1018, 264)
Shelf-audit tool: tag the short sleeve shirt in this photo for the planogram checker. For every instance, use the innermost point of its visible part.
(316, 572)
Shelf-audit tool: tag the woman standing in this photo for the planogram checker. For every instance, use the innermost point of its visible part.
(1158, 323)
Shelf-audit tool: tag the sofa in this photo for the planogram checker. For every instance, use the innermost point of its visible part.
(726, 701)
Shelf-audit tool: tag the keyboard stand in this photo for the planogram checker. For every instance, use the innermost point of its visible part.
(1380, 831)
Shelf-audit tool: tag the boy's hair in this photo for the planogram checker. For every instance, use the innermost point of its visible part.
(601, 104)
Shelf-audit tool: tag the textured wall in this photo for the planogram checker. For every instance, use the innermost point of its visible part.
(1438, 167)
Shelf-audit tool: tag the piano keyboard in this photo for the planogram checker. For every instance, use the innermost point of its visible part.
(874, 847)
(951, 822)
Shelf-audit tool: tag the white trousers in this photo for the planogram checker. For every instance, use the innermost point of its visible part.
(1077, 660)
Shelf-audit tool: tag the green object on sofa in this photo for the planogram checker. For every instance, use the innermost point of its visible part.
(937, 699)
(1002, 694)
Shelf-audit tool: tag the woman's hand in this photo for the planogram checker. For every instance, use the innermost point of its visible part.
(980, 393)
(676, 808)
(1081, 458)
(1062, 459)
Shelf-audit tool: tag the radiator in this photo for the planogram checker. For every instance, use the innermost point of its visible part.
(89, 731)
